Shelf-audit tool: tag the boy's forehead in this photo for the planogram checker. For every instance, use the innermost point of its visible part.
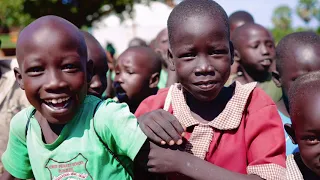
(49, 29)
(307, 110)
(196, 25)
(139, 57)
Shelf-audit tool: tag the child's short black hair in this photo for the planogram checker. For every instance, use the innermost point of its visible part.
(137, 42)
(306, 85)
(238, 33)
(241, 16)
(190, 8)
(284, 48)
(155, 61)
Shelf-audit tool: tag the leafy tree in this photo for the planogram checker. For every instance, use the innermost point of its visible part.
(79, 12)
(19, 13)
(12, 15)
(281, 17)
(305, 9)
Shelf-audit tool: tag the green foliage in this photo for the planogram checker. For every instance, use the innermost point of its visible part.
(12, 15)
(282, 17)
(305, 9)
(278, 33)
(19, 13)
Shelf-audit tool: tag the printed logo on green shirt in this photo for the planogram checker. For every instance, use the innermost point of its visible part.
(74, 169)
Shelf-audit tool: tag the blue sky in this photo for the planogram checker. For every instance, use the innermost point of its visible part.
(262, 10)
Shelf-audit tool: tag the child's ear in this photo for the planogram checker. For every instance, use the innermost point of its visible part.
(291, 133)
(154, 80)
(89, 70)
(231, 51)
(276, 78)
(17, 73)
(170, 60)
(237, 56)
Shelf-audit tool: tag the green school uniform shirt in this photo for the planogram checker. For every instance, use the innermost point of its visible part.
(163, 79)
(77, 153)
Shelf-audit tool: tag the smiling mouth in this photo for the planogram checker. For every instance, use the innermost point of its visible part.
(205, 85)
(266, 62)
(59, 103)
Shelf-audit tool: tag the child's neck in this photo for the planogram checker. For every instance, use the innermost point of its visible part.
(50, 132)
(248, 76)
(205, 112)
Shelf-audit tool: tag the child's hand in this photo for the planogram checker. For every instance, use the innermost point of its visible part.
(162, 160)
(162, 127)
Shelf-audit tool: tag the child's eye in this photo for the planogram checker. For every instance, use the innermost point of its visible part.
(218, 52)
(34, 71)
(117, 72)
(188, 55)
(270, 45)
(312, 139)
(69, 67)
(130, 72)
(255, 46)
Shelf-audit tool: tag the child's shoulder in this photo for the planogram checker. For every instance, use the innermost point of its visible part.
(19, 121)
(109, 108)
(259, 99)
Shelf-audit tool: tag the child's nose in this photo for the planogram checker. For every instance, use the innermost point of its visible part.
(264, 50)
(95, 82)
(55, 82)
(118, 78)
(204, 66)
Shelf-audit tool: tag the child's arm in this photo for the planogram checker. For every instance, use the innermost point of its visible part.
(164, 160)
(167, 160)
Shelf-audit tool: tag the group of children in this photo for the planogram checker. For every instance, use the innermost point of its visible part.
(213, 123)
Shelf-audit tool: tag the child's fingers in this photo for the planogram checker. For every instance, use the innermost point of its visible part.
(168, 127)
(176, 124)
(151, 135)
(160, 132)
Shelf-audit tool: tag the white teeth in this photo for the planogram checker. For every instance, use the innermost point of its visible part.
(55, 101)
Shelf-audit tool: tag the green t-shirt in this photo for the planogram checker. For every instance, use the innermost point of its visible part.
(77, 153)
(271, 89)
(163, 79)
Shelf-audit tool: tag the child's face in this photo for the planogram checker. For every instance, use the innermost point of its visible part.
(301, 60)
(257, 50)
(163, 44)
(201, 56)
(98, 82)
(132, 77)
(53, 72)
(307, 130)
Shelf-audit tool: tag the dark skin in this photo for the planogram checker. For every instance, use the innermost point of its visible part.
(55, 67)
(162, 47)
(234, 25)
(255, 51)
(97, 55)
(305, 130)
(299, 60)
(109, 89)
(136, 78)
(202, 68)
(55, 81)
